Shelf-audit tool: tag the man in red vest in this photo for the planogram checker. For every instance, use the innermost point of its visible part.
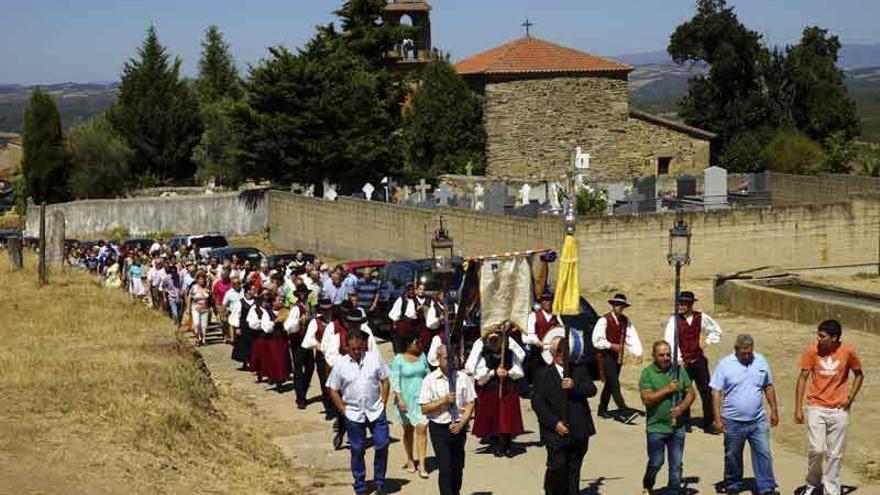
(540, 321)
(612, 334)
(691, 325)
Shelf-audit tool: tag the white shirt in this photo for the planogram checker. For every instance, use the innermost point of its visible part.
(331, 345)
(435, 386)
(292, 323)
(310, 340)
(235, 311)
(707, 324)
(359, 384)
(155, 247)
(231, 300)
(483, 374)
(559, 370)
(633, 344)
(433, 350)
(531, 335)
(398, 310)
(433, 320)
(257, 322)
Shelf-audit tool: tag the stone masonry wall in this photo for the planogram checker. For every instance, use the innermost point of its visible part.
(532, 126)
(621, 249)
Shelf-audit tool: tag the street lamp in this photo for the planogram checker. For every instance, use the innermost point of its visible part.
(679, 254)
(444, 271)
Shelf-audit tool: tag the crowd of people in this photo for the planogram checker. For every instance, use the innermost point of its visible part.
(286, 324)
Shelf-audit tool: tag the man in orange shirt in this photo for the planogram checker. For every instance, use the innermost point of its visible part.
(826, 365)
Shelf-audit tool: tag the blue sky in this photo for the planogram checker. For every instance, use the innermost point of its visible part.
(89, 40)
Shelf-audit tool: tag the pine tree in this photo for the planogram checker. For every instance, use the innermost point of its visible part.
(367, 34)
(156, 112)
(219, 90)
(44, 163)
(218, 78)
(443, 128)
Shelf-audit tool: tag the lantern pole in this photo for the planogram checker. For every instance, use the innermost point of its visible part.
(444, 269)
(679, 232)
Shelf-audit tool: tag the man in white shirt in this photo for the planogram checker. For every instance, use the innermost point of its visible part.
(312, 344)
(540, 321)
(448, 434)
(691, 325)
(408, 313)
(359, 386)
(612, 334)
(303, 360)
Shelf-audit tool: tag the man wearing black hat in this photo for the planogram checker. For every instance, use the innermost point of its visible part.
(312, 344)
(691, 324)
(612, 334)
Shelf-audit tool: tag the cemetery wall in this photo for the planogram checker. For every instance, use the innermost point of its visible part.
(227, 213)
(532, 125)
(799, 189)
(622, 249)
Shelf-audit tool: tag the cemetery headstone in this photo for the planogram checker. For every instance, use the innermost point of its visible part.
(55, 232)
(310, 191)
(524, 194)
(368, 191)
(554, 196)
(479, 197)
(715, 188)
(443, 193)
(686, 185)
(615, 192)
(423, 190)
(496, 198)
(330, 191)
(646, 194)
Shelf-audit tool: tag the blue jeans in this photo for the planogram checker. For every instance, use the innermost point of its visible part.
(357, 438)
(757, 433)
(176, 309)
(673, 445)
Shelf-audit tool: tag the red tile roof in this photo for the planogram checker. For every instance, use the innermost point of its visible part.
(533, 55)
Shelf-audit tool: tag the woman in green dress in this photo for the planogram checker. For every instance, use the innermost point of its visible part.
(408, 369)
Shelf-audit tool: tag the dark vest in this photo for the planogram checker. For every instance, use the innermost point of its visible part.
(615, 330)
(689, 337)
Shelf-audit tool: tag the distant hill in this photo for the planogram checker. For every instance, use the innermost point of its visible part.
(77, 102)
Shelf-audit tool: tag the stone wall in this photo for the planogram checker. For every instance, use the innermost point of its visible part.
(227, 213)
(532, 126)
(612, 249)
(797, 189)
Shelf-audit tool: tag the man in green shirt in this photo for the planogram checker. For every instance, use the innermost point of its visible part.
(659, 390)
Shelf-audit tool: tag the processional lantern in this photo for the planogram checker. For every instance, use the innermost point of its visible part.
(441, 248)
(679, 244)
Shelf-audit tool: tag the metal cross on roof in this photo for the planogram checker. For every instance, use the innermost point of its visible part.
(528, 24)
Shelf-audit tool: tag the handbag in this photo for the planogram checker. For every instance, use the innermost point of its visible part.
(186, 322)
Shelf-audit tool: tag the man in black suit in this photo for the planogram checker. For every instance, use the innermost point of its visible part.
(566, 438)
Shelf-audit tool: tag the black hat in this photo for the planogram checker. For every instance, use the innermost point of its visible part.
(687, 296)
(546, 296)
(354, 317)
(619, 300)
(325, 303)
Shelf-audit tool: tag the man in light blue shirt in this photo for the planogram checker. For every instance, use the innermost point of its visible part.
(359, 386)
(739, 384)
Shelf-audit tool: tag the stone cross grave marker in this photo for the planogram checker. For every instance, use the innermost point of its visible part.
(469, 169)
(496, 198)
(368, 191)
(524, 193)
(715, 188)
(310, 191)
(553, 196)
(423, 191)
(330, 191)
(581, 159)
(443, 193)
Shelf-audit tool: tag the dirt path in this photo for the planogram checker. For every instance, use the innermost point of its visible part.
(614, 464)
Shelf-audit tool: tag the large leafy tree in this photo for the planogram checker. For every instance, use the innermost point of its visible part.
(99, 160)
(219, 91)
(44, 163)
(731, 97)
(820, 105)
(443, 128)
(316, 115)
(157, 114)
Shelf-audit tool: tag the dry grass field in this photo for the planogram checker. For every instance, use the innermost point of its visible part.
(100, 395)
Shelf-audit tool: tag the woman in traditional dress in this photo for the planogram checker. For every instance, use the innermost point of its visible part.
(244, 336)
(498, 414)
(408, 370)
(277, 366)
(200, 306)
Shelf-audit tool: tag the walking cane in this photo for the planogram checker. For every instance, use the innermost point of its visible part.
(503, 355)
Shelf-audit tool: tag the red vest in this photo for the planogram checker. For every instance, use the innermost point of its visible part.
(342, 332)
(689, 337)
(542, 325)
(615, 330)
(319, 335)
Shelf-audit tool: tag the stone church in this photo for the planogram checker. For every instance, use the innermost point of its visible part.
(542, 100)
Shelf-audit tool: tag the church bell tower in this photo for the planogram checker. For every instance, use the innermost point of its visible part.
(415, 13)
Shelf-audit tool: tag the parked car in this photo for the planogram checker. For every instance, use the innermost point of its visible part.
(204, 242)
(278, 261)
(243, 252)
(6, 234)
(361, 267)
